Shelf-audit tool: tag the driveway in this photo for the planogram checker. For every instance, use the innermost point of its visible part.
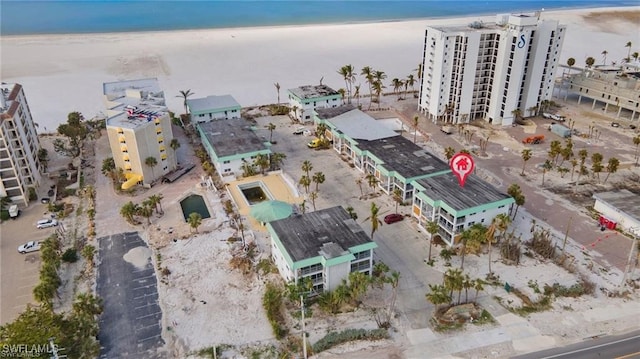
(130, 325)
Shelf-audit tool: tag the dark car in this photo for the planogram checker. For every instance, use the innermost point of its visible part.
(393, 218)
(45, 200)
(615, 124)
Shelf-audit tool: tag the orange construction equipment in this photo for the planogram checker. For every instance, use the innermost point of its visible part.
(533, 140)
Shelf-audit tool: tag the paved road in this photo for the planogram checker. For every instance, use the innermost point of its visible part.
(618, 346)
(19, 273)
(130, 326)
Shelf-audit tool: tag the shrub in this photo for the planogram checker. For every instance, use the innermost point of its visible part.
(70, 255)
(4, 215)
(272, 303)
(336, 338)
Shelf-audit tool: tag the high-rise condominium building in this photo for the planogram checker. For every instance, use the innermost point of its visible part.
(139, 130)
(489, 71)
(19, 145)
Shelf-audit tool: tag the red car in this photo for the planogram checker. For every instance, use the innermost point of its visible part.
(393, 218)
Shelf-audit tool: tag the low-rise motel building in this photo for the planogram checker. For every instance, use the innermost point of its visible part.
(210, 108)
(231, 145)
(324, 246)
(139, 128)
(304, 100)
(423, 179)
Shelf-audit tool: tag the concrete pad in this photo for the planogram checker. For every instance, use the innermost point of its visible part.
(610, 312)
(510, 319)
(535, 343)
(423, 335)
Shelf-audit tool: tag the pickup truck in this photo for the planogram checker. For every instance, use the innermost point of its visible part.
(447, 129)
(14, 212)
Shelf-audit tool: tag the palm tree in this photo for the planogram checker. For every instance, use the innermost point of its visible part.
(546, 166)
(151, 162)
(415, 128)
(128, 211)
(43, 158)
(411, 81)
(635, 56)
(343, 95)
(571, 61)
(517, 114)
(270, 127)
(307, 167)
(397, 84)
(313, 196)
(636, 142)
(359, 183)
(449, 152)
(305, 182)
(372, 181)
(368, 75)
(628, 45)
(262, 161)
(432, 228)
(377, 88)
(604, 56)
(356, 94)
(478, 285)
(397, 197)
(612, 167)
(454, 281)
(146, 210)
(373, 217)
(175, 144)
(352, 213)
(438, 295)
(185, 94)
(318, 178)
(277, 85)
(156, 200)
(277, 159)
(526, 156)
(194, 220)
(347, 73)
(516, 193)
(590, 61)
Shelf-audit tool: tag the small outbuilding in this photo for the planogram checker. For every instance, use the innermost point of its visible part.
(619, 209)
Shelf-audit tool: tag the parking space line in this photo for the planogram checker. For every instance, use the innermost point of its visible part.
(145, 277)
(148, 338)
(145, 295)
(146, 305)
(144, 286)
(149, 315)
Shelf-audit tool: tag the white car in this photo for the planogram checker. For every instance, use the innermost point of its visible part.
(46, 223)
(31, 246)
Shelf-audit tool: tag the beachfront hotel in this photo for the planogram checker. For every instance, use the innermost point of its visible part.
(19, 145)
(398, 164)
(324, 246)
(139, 128)
(231, 145)
(304, 100)
(489, 70)
(213, 108)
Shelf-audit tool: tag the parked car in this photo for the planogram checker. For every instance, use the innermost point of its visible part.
(633, 127)
(615, 124)
(315, 143)
(393, 218)
(299, 131)
(31, 246)
(46, 223)
(45, 200)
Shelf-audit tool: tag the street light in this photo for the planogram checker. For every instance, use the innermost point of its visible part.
(634, 244)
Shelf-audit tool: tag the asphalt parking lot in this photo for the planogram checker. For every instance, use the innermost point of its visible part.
(19, 273)
(130, 325)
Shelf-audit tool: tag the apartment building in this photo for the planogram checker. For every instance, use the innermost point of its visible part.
(324, 245)
(615, 87)
(19, 145)
(230, 145)
(213, 108)
(304, 100)
(489, 70)
(139, 128)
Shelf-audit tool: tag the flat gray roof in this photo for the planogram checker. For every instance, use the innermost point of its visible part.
(313, 91)
(360, 126)
(476, 192)
(210, 103)
(325, 113)
(623, 200)
(232, 137)
(118, 88)
(328, 232)
(403, 156)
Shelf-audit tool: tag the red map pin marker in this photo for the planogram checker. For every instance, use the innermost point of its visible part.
(462, 165)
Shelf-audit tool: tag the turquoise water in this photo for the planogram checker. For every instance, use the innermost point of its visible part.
(194, 203)
(99, 16)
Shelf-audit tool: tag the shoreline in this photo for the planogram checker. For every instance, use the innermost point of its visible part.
(318, 24)
(64, 73)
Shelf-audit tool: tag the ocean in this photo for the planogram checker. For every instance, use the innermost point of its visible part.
(24, 17)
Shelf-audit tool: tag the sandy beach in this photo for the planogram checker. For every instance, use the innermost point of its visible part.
(64, 73)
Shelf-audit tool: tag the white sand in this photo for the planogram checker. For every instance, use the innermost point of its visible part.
(138, 256)
(64, 73)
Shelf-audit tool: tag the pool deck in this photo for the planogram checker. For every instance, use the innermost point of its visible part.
(280, 187)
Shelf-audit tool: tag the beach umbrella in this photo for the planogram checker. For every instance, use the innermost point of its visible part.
(268, 211)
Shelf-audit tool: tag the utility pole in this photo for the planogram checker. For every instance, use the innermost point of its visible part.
(304, 334)
(566, 234)
(634, 244)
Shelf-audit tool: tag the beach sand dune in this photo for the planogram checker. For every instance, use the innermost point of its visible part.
(64, 73)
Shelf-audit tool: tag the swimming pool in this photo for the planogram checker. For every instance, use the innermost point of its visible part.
(194, 203)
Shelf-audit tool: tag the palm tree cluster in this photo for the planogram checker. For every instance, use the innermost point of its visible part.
(129, 211)
(559, 154)
(375, 81)
(516, 193)
(307, 179)
(454, 280)
(263, 162)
